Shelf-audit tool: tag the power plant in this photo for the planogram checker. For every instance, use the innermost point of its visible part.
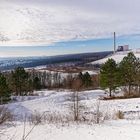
(121, 47)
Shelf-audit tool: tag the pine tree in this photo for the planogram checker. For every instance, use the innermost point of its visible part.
(128, 71)
(4, 89)
(36, 83)
(108, 75)
(137, 76)
(19, 80)
(81, 78)
(87, 80)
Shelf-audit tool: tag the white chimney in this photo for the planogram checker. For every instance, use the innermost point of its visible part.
(114, 42)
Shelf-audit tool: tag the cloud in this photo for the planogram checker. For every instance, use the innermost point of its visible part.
(25, 22)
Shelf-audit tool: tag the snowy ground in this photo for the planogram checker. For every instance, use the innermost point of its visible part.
(118, 56)
(115, 130)
(58, 102)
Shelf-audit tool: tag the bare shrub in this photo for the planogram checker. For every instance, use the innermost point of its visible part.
(76, 107)
(106, 116)
(57, 118)
(97, 115)
(119, 115)
(37, 118)
(5, 115)
(98, 112)
(50, 118)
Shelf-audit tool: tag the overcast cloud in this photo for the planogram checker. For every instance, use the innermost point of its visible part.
(49, 21)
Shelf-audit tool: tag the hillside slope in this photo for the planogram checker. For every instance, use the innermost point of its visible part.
(59, 103)
(118, 56)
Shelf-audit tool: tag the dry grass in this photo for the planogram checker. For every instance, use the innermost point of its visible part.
(5, 115)
(50, 118)
(119, 115)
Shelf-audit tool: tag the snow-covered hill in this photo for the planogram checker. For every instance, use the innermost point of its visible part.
(118, 56)
(54, 102)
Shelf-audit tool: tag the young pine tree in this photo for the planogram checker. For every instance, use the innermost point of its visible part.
(4, 89)
(87, 80)
(19, 80)
(36, 83)
(108, 75)
(137, 76)
(128, 71)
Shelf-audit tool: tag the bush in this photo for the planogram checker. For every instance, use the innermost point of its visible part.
(119, 115)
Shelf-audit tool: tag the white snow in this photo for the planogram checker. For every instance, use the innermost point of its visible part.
(90, 72)
(118, 56)
(121, 130)
(58, 102)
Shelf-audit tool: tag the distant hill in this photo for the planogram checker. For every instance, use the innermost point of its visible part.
(70, 59)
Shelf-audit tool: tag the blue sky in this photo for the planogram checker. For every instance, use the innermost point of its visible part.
(70, 47)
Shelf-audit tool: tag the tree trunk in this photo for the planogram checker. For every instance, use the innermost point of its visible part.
(110, 92)
(16, 91)
(139, 89)
(1, 101)
(74, 107)
(20, 90)
(129, 89)
(77, 106)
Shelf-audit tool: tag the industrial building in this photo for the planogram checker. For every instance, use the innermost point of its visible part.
(123, 48)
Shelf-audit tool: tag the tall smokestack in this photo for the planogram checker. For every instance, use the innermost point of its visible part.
(114, 42)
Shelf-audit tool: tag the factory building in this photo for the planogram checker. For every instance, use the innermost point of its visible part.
(123, 48)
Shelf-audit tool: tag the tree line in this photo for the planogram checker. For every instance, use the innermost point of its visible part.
(17, 82)
(112, 75)
(24, 82)
(125, 74)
